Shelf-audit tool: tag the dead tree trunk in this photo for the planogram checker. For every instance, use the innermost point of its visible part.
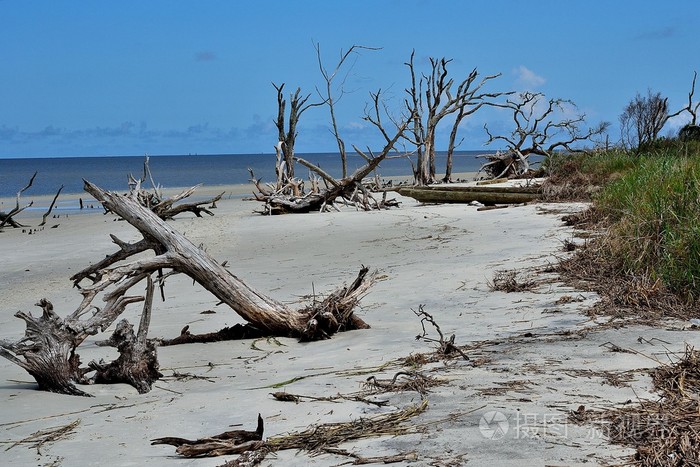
(7, 218)
(49, 343)
(47, 350)
(350, 188)
(287, 138)
(435, 104)
(541, 128)
(176, 252)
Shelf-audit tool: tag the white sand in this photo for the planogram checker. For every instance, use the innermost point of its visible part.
(440, 256)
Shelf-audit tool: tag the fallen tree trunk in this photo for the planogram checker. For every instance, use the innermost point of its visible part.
(47, 350)
(350, 189)
(176, 252)
(485, 196)
(236, 332)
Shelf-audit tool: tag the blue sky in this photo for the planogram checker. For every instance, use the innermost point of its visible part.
(82, 78)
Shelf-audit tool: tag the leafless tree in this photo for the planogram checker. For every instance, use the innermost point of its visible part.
(645, 116)
(691, 131)
(287, 135)
(327, 94)
(167, 207)
(326, 189)
(7, 217)
(542, 126)
(437, 101)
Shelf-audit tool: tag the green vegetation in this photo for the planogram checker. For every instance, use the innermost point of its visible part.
(650, 201)
(656, 211)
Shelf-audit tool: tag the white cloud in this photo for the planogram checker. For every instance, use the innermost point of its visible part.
(528, 78)
(674, 124)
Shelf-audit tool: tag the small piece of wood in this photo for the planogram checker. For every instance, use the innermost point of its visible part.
(235, 332)
(228, 442)
(53, 203)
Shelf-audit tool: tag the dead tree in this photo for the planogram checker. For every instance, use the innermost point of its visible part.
(48, 349)
(541, 128)
(53, 203)
(326, 189)
(137, 364)
(645, 116)
(691, 131)
(436, 103)
(328, 96)
(7, 218)
(287, 136)
(167, 207)
(349, 189)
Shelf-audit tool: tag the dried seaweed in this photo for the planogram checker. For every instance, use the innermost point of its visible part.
(41, 437)
(665, 432)
(508, 281)
(319, 437)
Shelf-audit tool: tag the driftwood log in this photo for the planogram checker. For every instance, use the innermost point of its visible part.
(167, 208)
(350, 189)
(228, 442)
(482, 194)
(48, 349)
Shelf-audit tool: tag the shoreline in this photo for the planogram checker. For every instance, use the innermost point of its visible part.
(68, 203)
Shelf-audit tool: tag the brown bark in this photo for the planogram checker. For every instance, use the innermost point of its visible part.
(235, 332)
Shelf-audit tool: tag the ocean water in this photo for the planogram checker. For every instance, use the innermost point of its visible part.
(111, 173)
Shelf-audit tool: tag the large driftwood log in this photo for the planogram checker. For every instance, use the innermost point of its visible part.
(48, 349)
(485, 195)
(176, 252)
(228, 442)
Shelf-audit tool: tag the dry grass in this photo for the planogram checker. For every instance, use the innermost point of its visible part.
(623, 296)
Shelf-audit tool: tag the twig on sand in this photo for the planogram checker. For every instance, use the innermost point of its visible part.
(447, 347)
(41, 437)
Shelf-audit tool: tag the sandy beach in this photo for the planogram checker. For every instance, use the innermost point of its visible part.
(534, 355)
